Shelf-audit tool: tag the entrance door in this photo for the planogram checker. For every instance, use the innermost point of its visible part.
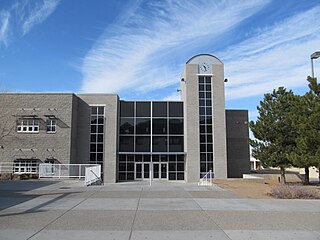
(142, 171)
(160, 171)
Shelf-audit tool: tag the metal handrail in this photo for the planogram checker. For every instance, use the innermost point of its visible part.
(205, 181)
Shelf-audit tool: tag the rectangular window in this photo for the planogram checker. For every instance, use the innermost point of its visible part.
(126, 109)
(51, 125)
(25, 166)
(97, 134)
(159, 109)
(28, 125)
(143, 109)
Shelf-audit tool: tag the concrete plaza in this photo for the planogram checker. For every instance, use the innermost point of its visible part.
(165, 210)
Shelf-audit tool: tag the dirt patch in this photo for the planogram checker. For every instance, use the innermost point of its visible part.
(254, 189)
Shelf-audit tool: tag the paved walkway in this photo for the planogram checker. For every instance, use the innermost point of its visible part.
(166, 210)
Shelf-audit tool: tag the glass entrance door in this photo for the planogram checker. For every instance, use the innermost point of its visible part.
(142, 171)
(160, 171)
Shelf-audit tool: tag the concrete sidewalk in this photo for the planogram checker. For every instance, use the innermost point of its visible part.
(165, 210)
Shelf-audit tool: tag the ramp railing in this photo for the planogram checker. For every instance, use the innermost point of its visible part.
(206, 180)
(92, 175)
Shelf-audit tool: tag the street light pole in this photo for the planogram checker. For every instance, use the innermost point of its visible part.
(314, 55)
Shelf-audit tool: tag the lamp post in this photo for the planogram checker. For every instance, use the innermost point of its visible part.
(314, 55)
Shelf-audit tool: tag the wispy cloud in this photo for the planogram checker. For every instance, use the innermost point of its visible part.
(4, 24)
(278, 55)
(141, 52)
(22, 16)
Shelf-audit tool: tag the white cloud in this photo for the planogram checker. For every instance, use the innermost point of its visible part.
(38, 14)
(278, 56)
(22, 16)
(172, 97)
(137, 53)
(4, 26)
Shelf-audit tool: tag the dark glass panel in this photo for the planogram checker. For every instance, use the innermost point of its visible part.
(202, 138)
(176, 126)
(126, 144)
(208, 87)
(159, 144)
(100, 128)
(164, 158)
(180, 166)
(122, 176)
(175, 109)
(210, 166)
(130, 158)
(93, 148)
(202, 111)
(122, 158)
(201, 87)
(159, 109)
(94, 120)
(93, 138)
(99, 147)
(209, 119)
(155, 158)
(99, 156)
(209, 128)
(208, 94)
(201, 102)
(143, 109)
(180, 176)
(142, 144)
(130, 176)
(100, 110)
(202, 119)
(94, 110)
(209, 138)
(172, 158)
(159, 126)
(126, 125)
(172, 176)
(92, 157)
(126, 109)
(203, 167)
(201, 94)
(138, 158)
(180, 158)
(202, 148)
(201, 79)
(130, 167)
(93, 128)
(146, 158)
(209, 147)
(176, 144)
(143, 126)
(100, 119)
(202, 128)
(208, 102)
(208, 110)
(100, 138)
(122, 167)
(208, 79)
(172, 167)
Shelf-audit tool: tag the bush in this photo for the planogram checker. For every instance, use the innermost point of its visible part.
(294, 192)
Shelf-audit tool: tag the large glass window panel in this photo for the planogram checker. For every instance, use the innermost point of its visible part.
(201, 79)
(176, 144)
(175, 109)
(159, 144)
(143, 126)
(159, 126)
(126, 144)
(176, 126)
(208, 80)
(142, 144)
(126, 109)
(126, 125)
(159, 109)
(143, 109)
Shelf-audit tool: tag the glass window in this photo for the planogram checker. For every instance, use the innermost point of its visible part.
(126, 144)
(201, 79)
(208, 80)
(175, 109)
(176, 126)
(142, 144)
(126, 109)
(29, 125)
(159, 144)
(159, 126)
(159, 109)
(126, 125)
(142, 109)
(51, 125)
(176, 144)
(143, 126)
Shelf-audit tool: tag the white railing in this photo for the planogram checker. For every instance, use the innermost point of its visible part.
(206, 180)
(92, 175)
(47, 170)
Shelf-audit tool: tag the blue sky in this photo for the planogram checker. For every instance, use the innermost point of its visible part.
(138, 48)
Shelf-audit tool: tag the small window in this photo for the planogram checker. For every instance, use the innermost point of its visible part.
(51, 125)
(28, 125)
